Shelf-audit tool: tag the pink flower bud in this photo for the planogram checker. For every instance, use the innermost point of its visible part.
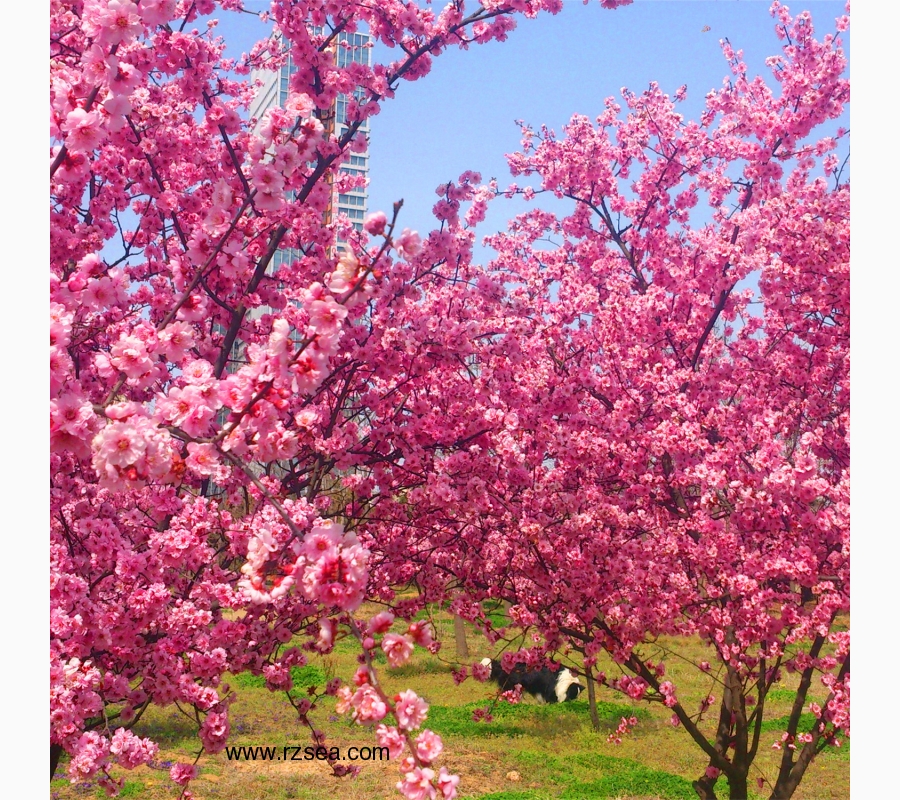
(375, 223)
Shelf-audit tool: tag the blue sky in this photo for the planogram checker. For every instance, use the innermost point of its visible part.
(462, 115)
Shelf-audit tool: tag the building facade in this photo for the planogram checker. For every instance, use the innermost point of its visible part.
(350, 47)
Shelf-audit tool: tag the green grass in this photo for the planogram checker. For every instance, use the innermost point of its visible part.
(781, 695)
(638, 782)
(780, 724)
(130, 789)
(528, 752)
(617, 776)
(592, 775)
(169, 728)
(427, 666)
(525, 718)
(310, 675)
(495, 612)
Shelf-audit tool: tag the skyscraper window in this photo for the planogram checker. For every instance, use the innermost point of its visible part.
(350, 48)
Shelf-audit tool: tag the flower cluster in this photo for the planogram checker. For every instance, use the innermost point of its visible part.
(369, 705)
(623, 729)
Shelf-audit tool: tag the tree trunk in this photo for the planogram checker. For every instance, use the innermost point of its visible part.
(56, 752)
(737, 788)
(459, 632)
(794, 763)
(592, 701)
(705, 788)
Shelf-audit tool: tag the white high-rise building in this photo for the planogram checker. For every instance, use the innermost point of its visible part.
(350, 47)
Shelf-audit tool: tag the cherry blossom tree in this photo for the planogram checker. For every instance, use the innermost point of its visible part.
(212, 419)
(655, 433)
(608, 432)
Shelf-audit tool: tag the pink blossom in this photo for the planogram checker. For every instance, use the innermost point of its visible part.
(129, 354)
(327, 631)
(624, 728)
(368, 705)
(344, 695)
(337, 578)
(278, 678)
(309, 370)
(182, 774)
(117, 106)
(410, 710)
(481, 672)
(72, 415)
(175, 340)
(299, 105)
(84, 131)
(323, 540)
(90, 755)
(375, 223)
(267, 179)
(100, 293)
(157, 12)
(421, 633)
(130, 750)
(326, 316)
(202, 458)
(381, 622)
(222, 195)
(119, 20)
(633, 687)
(216, 221)
(188, 408)
(123, 78)
(417, 784)
(119, 444)
(429, 746)
(345, 273)
(363, 676)
(397, 648)
(408, 244)
(359, 143)
(447, 784)
(215, 730)
(513, 695)
(388, 736)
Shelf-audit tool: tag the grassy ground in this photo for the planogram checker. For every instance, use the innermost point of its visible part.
(528, 752)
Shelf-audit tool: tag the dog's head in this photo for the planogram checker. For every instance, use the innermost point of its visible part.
(567, 686)
(573, 690)
(496, 669)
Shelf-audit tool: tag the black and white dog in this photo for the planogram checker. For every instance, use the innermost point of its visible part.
(545, 685)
